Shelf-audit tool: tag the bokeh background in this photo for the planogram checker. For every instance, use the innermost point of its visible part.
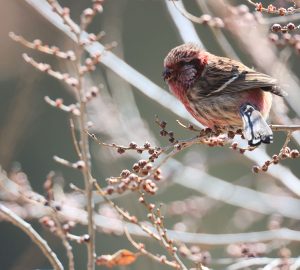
(31, 132)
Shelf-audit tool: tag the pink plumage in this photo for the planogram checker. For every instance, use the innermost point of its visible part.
(221, 92)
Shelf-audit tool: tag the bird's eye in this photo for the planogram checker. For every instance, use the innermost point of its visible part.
(194, 61)
(181, 63)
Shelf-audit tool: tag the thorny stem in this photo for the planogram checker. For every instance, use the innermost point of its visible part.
(35, 237)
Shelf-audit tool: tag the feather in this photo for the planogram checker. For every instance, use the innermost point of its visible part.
(224, 76)
(256, 130)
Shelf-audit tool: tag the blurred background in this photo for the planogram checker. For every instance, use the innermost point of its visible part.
(31, 132)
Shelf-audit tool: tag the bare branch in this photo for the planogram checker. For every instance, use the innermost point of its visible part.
(35, 237)
(37, 45)
(142, 249)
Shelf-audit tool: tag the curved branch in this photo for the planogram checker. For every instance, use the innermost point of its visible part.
(35, 237)
(154, 92)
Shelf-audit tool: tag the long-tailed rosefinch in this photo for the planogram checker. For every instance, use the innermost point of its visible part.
(220, 92)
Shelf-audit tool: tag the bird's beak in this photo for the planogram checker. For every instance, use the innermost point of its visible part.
(167, 74)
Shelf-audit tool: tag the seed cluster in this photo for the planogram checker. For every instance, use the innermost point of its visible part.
(284, 153)
(142, 177)
(271, 9)
(65, 229)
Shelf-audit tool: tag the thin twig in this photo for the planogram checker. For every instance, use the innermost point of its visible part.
(64, 14)
(287, 140)
(35, 237)
(285, 127)
(84, 145)
(186, 14)
(146, 252)
(219, 35)
(64, 162)
(124, 214)
(63, 237)
(74, 139)
(37, 45)
(165, 244)
(43, 67)
(281, 19)
(259, 7)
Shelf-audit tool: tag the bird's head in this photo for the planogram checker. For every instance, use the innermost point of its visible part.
(184, 64)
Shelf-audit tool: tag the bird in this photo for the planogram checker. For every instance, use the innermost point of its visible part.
(221, 93)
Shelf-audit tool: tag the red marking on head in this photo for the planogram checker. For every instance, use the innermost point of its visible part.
(185, 64)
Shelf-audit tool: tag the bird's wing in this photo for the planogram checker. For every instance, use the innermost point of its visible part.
(223, 75)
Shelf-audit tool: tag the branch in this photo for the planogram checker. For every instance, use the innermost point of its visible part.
(108, 59)
(272, 265)
(63, 236)
(259, 156)
(142, 249)
(38, 45)
(287, 128)
(160, 96)
(204, 238)
(243, 264)
(35, 237)
(273, 10)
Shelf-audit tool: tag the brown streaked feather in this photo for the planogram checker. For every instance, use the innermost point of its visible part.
(223, 76)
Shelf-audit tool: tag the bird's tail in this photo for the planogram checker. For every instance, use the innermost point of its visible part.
(256, 130)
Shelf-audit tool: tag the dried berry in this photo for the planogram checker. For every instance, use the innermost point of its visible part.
(291, 26)
(142, 163)
(151, 151)
(136, 167)
(147, 145)
(133, 145)
(259, 6)
(163, 133)
(282, 11)
(163, 124)
(120, 150)
(276, 27)
(125, 173)
(294, 153)
(255, 169)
